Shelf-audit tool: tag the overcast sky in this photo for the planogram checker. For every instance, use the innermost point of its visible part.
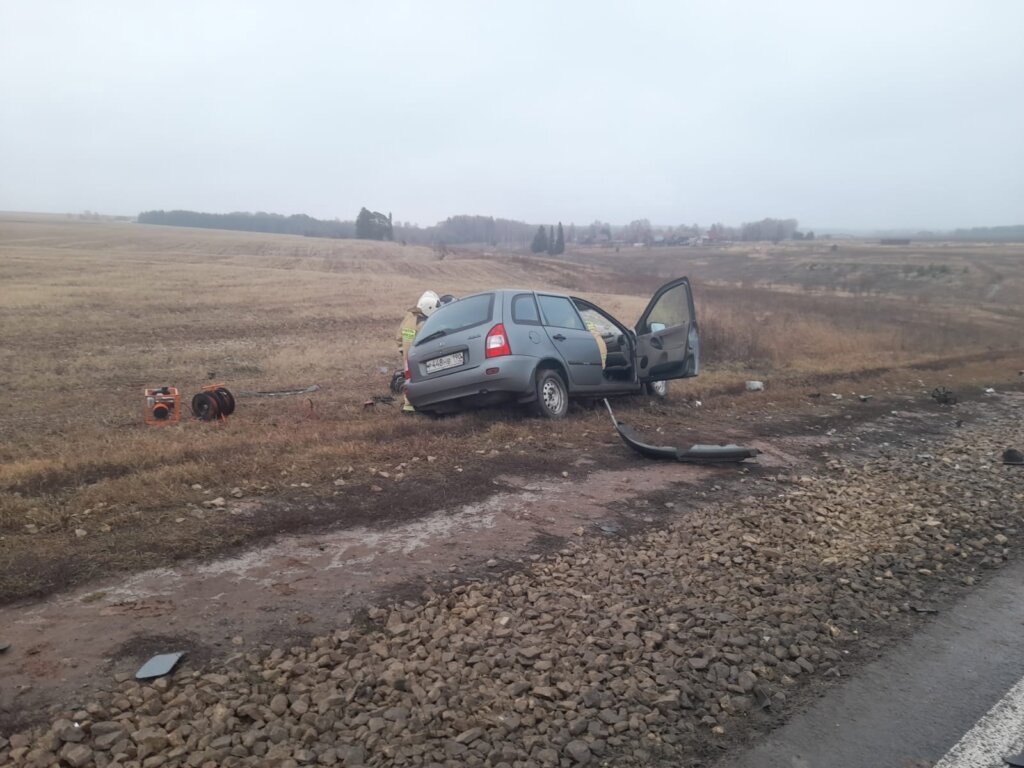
(859, 115)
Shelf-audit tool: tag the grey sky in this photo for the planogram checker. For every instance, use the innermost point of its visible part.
(868, 114)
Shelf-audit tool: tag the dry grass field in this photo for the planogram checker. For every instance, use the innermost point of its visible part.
(93, 312)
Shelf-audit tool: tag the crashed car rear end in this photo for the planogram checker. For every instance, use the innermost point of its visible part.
(463, 358)
(539, 347)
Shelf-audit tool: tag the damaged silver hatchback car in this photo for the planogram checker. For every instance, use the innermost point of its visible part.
(542, 348)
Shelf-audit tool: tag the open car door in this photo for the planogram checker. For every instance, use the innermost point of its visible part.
(668, 343)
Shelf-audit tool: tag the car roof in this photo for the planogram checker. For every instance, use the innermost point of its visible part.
(521, 290)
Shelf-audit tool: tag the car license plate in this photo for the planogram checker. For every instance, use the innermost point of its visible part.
(444, 363)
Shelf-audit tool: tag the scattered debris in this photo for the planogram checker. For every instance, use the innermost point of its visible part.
(835, 396)
(814, 394)
(282, 393)
(989, 391)
(696, 453)
(4, 646)
(1013, 456)
(1015, 760)
(369, 404)
(923, 609)
(865, 398)
(755, 386)
(944, 396)
(762, 697)
(159, 665)
(383, 399)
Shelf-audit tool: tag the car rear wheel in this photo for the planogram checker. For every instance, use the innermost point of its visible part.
(397, 382)
(658, 389)
(552, 397)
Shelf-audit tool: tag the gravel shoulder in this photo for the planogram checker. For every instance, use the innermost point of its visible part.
(703, 608)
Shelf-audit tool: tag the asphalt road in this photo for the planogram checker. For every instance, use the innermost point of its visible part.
(949, 697)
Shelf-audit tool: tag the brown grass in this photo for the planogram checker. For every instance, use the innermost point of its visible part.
(90, 313)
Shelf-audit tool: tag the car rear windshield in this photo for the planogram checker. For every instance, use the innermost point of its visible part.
(458, 316)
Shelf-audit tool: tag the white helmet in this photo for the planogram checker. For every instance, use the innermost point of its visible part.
(428, 303)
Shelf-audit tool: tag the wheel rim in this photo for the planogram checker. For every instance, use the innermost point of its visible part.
(659, 388)
(552, 395)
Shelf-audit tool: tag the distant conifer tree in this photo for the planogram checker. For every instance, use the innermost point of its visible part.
(559, 241)
(540, 241)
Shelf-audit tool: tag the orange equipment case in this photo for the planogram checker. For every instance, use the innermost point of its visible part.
(163, 406)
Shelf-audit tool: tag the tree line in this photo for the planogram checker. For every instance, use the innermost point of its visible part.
(506, 233)
(298, 224)
(368, 225)
(1010, 234)
(464, 230)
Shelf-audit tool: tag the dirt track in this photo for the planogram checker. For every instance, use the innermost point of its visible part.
(302, 585)
(841, 528)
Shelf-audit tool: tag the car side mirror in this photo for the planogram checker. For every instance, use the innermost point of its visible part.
(655, 327)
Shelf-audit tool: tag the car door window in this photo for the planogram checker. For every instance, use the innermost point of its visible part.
(596, 321)
(524, 310)
(672, 309)
(560, 313)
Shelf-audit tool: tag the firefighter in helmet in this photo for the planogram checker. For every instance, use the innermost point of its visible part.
(411, 325)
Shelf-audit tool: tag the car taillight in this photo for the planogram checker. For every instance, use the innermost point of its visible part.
(408, 373)
(497, 342)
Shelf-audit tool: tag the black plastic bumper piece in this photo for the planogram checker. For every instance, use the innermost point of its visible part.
(695, 454)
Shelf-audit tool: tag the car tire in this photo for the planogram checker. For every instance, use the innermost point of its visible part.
(397, 383)
(658, 389)
(552, 396)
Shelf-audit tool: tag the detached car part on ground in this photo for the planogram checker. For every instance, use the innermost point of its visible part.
(695, 454)
(541, 348)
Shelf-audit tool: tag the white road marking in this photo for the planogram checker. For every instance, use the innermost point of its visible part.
(998, 734)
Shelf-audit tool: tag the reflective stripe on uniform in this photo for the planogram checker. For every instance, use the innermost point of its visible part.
(408, 334)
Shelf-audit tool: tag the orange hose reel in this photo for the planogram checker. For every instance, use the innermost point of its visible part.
(213, 403)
